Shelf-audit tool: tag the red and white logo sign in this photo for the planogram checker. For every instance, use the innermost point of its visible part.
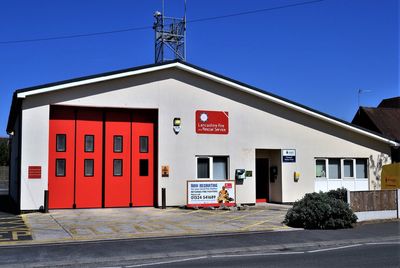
(228, 185)
(212, 122)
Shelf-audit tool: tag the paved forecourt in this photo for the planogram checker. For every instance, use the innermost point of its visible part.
(116, 223)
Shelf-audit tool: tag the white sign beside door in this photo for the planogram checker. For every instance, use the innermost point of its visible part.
(289, 155)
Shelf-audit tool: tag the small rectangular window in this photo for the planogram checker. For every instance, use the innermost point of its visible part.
(89, 168)
(143, 167)
(117, 167)
(203, 168)
(361, 168)
(118, 144)
(320, 168)
(143, 144)
(334, 168)
(213, 167)
(61, 142)
(348, 168)
(89, 143)
(60, 167)
(220, 168)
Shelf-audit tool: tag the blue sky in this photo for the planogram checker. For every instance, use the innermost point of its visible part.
(318, 54)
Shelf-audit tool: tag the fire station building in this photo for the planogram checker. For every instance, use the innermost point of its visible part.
(118, 139)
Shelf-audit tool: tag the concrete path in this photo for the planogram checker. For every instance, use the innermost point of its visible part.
(99, 224)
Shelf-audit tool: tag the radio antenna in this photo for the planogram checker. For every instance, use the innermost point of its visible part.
(170, 36)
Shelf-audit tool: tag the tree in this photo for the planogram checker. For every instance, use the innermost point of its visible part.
(4, 161)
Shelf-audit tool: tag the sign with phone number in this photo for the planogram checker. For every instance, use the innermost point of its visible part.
(210, 193)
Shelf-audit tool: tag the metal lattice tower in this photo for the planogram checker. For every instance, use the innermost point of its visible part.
(169, 37)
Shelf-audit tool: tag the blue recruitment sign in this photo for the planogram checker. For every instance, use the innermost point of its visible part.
(289, 155)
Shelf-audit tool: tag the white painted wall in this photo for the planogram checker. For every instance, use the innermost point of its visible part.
(324, 185)
(253, 124)
(34, 152)
(376, 215)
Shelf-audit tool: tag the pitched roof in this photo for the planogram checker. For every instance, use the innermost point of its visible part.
(390, 103)
(20, 94)
(385, 121)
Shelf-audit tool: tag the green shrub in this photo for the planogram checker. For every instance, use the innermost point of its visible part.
(339, 193)
(320, 211)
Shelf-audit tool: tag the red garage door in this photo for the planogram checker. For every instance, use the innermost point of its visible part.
(100, 158)
(117, 159)
(142, 162)
(61, 158)
(89, 161)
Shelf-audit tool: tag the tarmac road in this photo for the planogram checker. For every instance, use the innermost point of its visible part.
(363, 246)
(358, 255)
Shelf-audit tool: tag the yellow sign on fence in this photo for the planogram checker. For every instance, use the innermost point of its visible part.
(390, 178)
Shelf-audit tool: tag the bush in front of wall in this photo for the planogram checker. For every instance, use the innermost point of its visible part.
(339, 193)
(320, 211)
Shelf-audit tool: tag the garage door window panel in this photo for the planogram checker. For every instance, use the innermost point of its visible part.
(89, 143)
(143, 167)
(60, 167)
(118, 144)
(61, 142)
(117, 167)
(89, 168)
(143, 144)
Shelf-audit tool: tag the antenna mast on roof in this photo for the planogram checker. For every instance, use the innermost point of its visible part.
(170, 36)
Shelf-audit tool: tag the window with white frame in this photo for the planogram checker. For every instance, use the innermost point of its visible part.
(212, 167)
(337, 168)
(320, 168)
(348, 168)
(361, 168)
(334, 168)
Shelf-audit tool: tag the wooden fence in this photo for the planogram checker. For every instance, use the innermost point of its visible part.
(371, 205)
